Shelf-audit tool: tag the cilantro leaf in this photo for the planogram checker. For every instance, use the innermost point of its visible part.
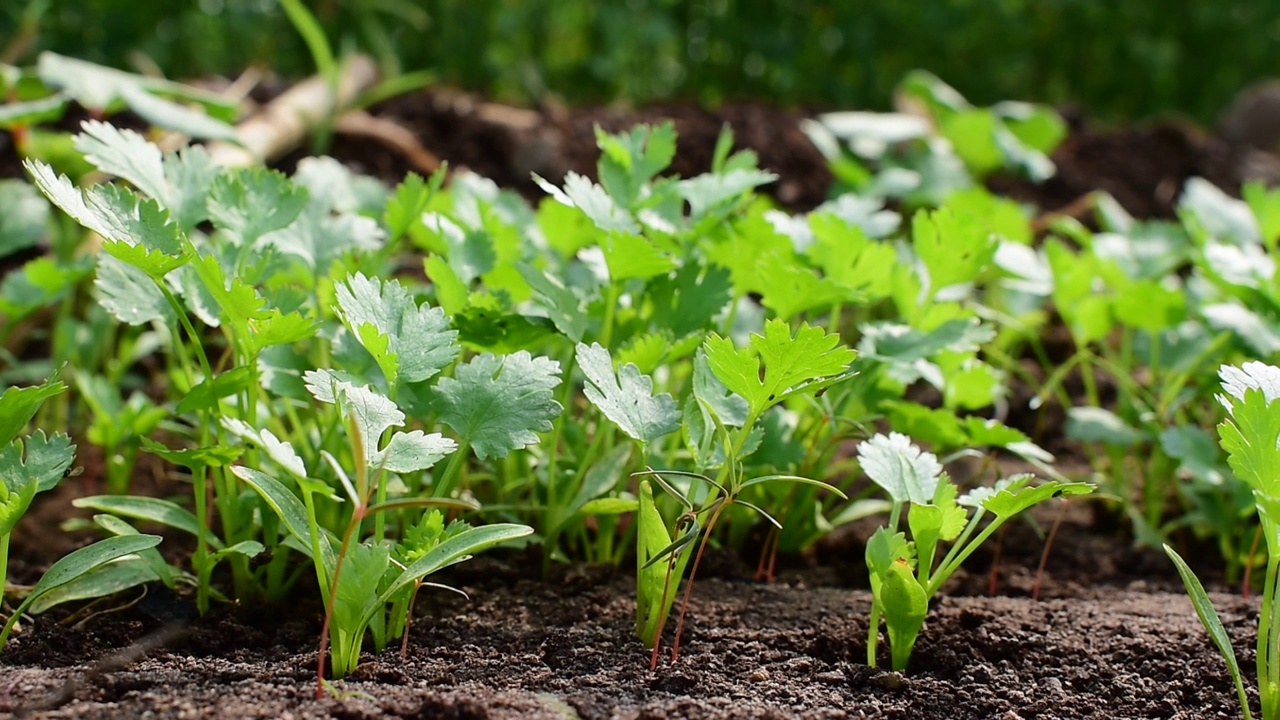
(808, 362)
(48, 458)
(564, 306)
(593, 201)
(689, 299)
(19, 405)
(410, 342)
(496, 403)
(374, 414)
(626, 397)
(125, 154)
(129, 294)
(706, 192)
(1251, 437)
(954, 248)
(46, 461)
(906, 472)
(250, 203)
(633, 256)
(189, 172)
(408, 203)
(629, 160)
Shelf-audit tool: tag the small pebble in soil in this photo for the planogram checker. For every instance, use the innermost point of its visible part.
(890, 680)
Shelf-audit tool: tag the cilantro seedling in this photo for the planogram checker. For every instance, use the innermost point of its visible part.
(904, 573)
(776, 365)
(1251, 437)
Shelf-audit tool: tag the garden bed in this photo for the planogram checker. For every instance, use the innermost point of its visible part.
(1113, 636)
(1110, 635)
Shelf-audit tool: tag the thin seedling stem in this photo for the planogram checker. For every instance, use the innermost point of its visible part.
(993, 578)
(1048, 545)
(1248, 565)
(688, 588)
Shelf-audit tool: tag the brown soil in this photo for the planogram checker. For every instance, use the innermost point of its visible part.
(1114, 637)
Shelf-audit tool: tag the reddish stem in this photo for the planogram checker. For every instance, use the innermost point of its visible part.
(356, 518)
(1048, 544)
(688, 589)
(1248, 566)
(993, 577)
(764, 568)
(662, 621)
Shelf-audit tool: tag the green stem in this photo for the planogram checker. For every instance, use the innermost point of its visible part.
(201, 559)
(444, 486)
(4, 565)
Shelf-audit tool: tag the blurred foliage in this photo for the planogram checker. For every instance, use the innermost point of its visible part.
(1119, 60)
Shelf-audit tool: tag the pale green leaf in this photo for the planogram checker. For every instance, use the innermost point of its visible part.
(705, 192)
(45, 462)
(125, 154)
(592, 199)
(174, 116)
(250, 203)
(626, 397)
(903, 470)
(23, 216)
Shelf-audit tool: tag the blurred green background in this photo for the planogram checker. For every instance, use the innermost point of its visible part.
(1119, 60)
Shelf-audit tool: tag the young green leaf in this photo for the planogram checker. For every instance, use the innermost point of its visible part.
(630, 160)
(44, 463)
(564, 306)
(688, 300)
(281, 452)
(178, 118)
(125, 154)
(287, 506)
(706, 192)
(190, 173)
(452, 551)
(129, 294)
(903, 470)
(626, 397)
(593, 201)
(155, 510)
(497, 403)
(248, 204)
(410, 200)
(954, 248)
(19, 405)
(905, 606)
(410, 342)
(374, 414)
(808, 362)
(633, 256)
(1247, 436)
